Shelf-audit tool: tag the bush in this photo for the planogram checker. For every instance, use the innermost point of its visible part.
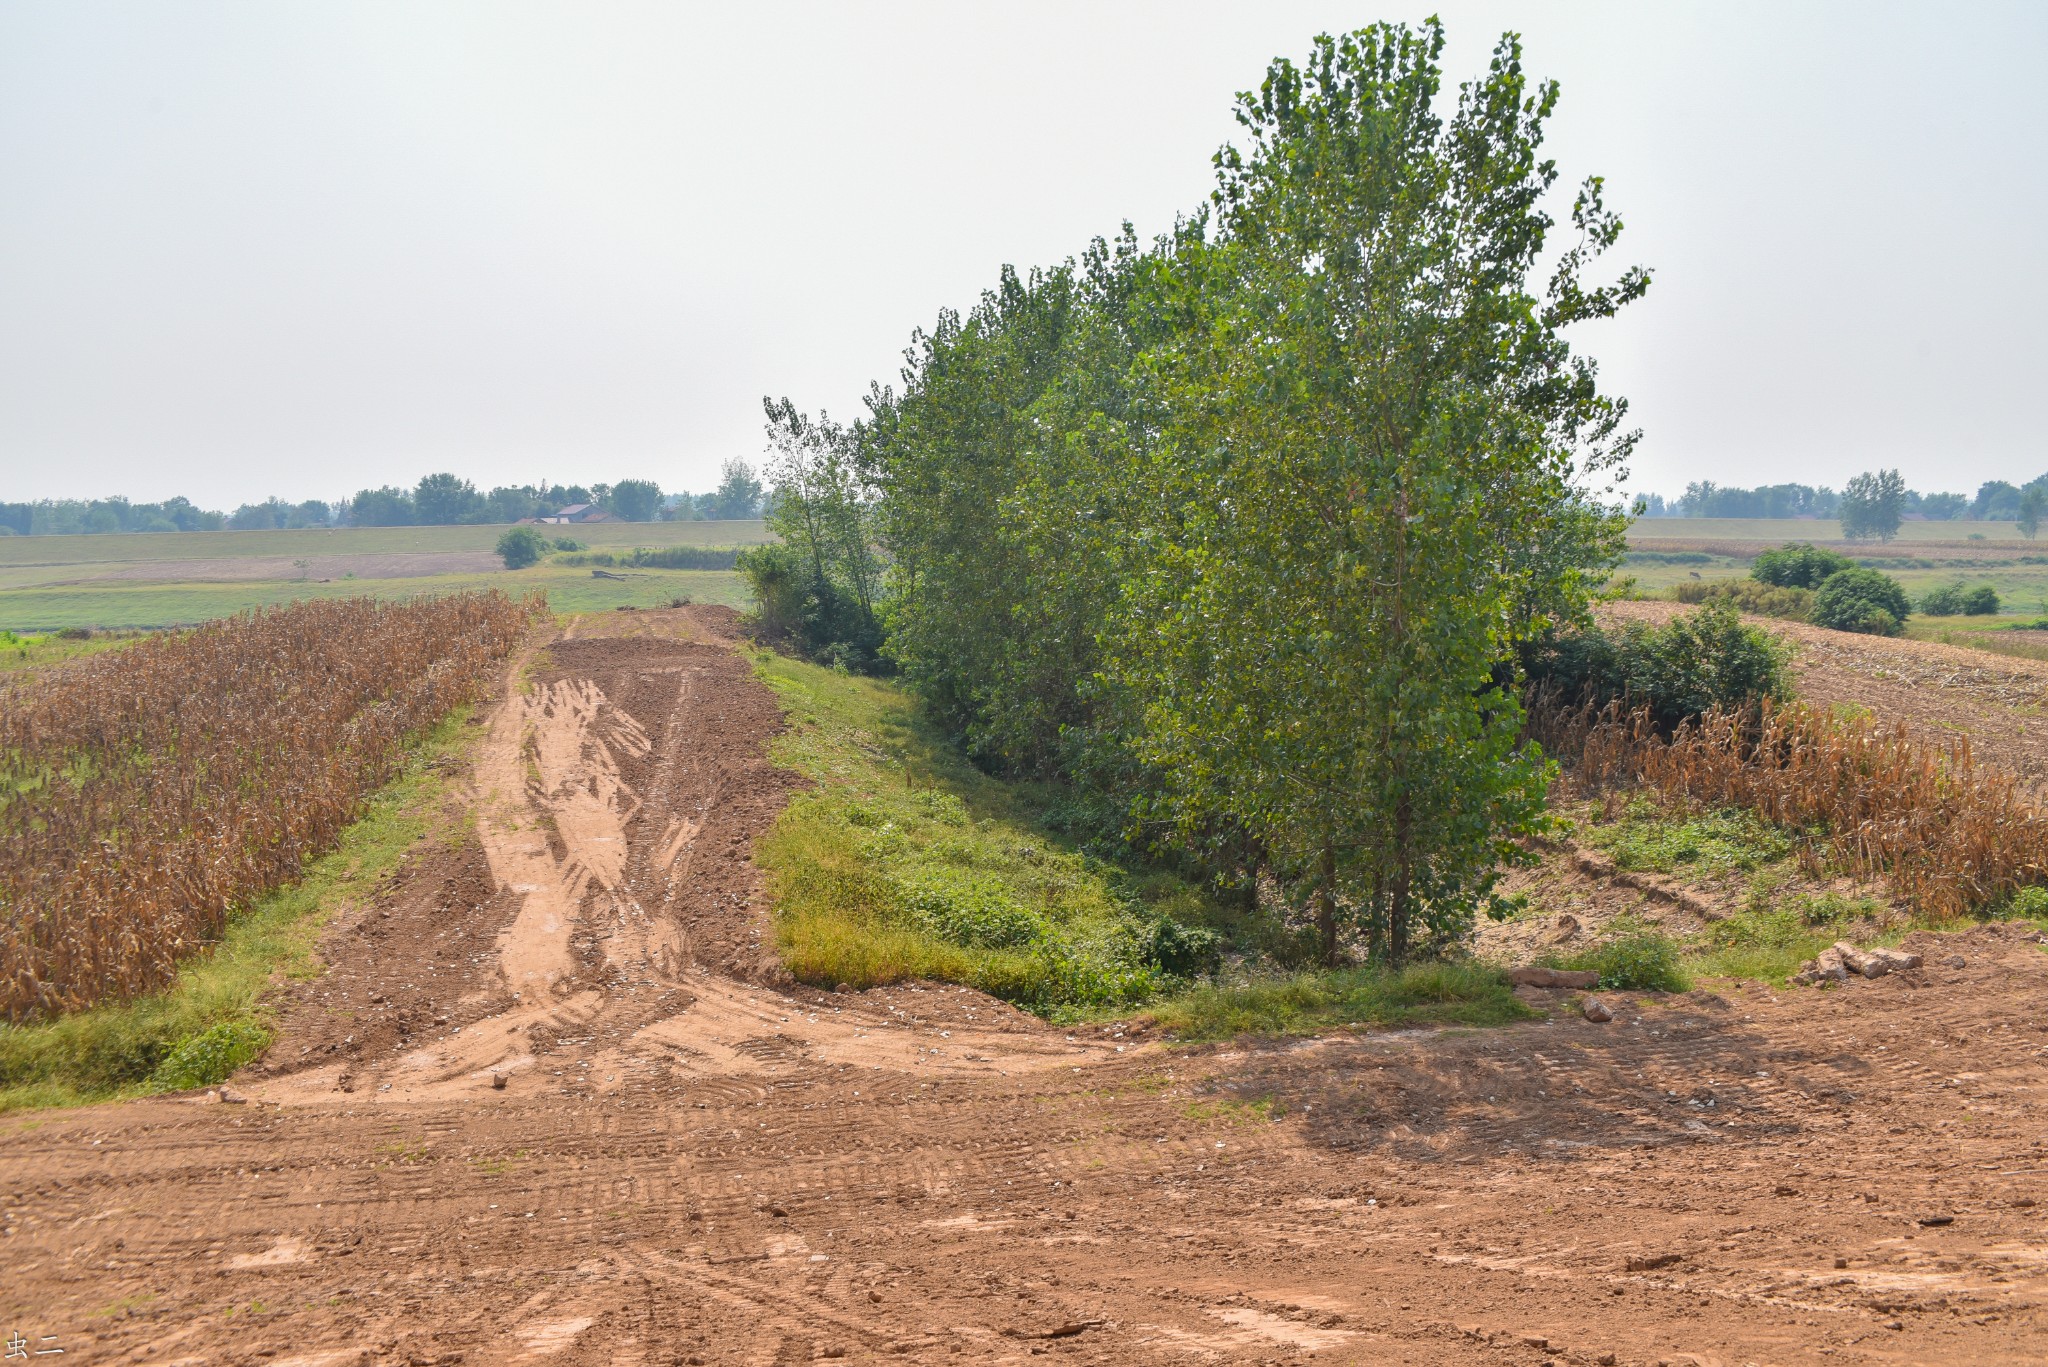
(520, 547)
(1748, 595)
(1955, 600)
(2029, 904)
(567, 543)
(209, 1057)
(1798, 565)
(820, 619)
(1862, 600)
(1946, 601)
(1704, 660)
(1634, 961)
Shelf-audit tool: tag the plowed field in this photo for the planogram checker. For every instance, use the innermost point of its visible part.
(691, 1162)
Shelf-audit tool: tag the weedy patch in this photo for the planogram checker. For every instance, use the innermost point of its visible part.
(907, 863)
(1230, 1111)
(1309, 1003)
(1647, 837)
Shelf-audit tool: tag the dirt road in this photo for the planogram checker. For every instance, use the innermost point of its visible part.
(687, 1164)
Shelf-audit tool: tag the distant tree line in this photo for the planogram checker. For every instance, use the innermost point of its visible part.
(1996, 501)
(436, 501)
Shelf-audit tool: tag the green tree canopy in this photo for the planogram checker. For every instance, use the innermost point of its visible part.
(1872, 504)
(635, 500)
(443, 500)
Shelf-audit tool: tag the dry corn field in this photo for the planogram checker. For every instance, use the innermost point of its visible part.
(1872, 798)
(146, 792)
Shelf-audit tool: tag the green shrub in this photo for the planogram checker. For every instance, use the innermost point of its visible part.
(1747, 595)
(968, 909)
(1868, 601)
(520, 547)
(1703, 660)
(210, 1056)
(1955, 600)
(1798, 565)
(816, 616)
(1946, 601)
(2027, 904)
(567, 543)
(1634, 961)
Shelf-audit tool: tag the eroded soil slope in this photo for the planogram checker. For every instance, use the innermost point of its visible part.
(690, 1164)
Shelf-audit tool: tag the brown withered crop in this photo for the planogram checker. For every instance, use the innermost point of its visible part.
(1868, 797)
(147, 792)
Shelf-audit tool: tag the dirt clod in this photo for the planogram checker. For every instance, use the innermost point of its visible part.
(1593, 1009)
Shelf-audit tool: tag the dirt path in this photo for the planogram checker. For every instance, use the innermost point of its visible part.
(691, 1164)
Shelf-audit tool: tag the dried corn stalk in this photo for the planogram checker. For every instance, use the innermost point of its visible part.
(146, 792)
(1871, 798)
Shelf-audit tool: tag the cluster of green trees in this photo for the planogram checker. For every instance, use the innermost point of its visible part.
(441, 500)
(1238, 532)
(1873, 503)
(74, 516)
(437, 500)
(1846, 596)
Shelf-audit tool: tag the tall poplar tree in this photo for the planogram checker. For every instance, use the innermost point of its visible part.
(1368, 486)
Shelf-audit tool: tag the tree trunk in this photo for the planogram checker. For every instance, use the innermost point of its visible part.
(1398, 893)
(1326, 904)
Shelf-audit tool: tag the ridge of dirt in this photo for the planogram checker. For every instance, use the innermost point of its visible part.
(690, 1163)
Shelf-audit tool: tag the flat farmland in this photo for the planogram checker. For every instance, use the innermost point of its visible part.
(171, 579)
(1924, 556)
(1821, 531)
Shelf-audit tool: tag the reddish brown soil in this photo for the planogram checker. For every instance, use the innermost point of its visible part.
(687, 1164)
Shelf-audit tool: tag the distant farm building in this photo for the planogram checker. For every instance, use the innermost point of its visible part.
(574, 513)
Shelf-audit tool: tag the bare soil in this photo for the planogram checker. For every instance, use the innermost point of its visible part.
(691, 1161)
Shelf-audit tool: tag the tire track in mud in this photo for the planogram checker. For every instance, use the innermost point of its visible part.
(693, 1164)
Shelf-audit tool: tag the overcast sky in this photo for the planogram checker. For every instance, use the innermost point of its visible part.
(253, 249)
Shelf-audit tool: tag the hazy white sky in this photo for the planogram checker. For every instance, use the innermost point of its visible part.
(252, 249)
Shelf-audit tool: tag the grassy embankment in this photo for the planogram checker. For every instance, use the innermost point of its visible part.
(905, 862)
(215, 1018)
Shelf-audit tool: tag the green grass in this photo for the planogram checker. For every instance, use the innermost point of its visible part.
(1649, 838)
(124, 603)
(1312, 1003)
(214, 1018)
(1771, 937)
(1632, 958)
(33, 651)
(905, 862)
(130, 547)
